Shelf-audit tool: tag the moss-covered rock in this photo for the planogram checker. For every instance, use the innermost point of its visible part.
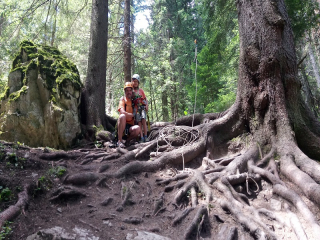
(40, 104)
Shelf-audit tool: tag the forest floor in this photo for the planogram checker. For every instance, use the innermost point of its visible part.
(109, 208)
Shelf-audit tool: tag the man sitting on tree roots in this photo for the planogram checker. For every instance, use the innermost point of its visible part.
(126, 127)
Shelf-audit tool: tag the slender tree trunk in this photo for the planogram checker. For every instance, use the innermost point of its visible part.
(53, 34)
(164, 100)
(110, 95)
(94, 92)
(132, 36)
(2, 20)
(314, 65)
(306, 89)
(127, 42)
(173, 101)
(165, 112)
(151, 100)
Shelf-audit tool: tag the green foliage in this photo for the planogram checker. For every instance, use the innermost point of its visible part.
(13, 160)
(43, 184)
(55, 23)
(5, 92)
(163, 55)
(217, 61)
(304, 16)
(5, 194)
(6, 230)
(98, 144)
(58, 171)
(222, 103)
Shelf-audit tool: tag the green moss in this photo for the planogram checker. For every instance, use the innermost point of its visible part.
(54, 67)
(5, 93)
(53, 99)
(15, 95)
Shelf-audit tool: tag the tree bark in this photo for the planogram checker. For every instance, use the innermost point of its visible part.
(314, 65)
(94, 92)
(127, 43)
(132, 17)
(164, 105)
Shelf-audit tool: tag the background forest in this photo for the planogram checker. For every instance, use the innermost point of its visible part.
(164, 53)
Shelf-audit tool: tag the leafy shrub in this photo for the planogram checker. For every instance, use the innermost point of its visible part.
(5, 194)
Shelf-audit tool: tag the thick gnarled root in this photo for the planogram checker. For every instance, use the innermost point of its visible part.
(13, 211)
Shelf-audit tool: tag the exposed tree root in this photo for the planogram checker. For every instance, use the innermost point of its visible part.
(158, 203)
(57, 155)
(175, 178)
(227, 233)
(257, 229)
(81, 178)
(182, 216)
(178, 156)
(125, 196)
(66, 193)
(196, 181)
(13, 211)
(196, 223)
(103, 168)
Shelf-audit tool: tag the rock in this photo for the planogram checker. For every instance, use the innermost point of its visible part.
(40, 104)
(104, 136)
(59, 233)
(275, 204)
(106, 201)
(143, 235)
(133, 220)
(107, 222)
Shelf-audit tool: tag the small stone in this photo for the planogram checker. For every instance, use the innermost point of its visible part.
(119, 209)
(106, 202)
(155, 229)
(143, 235)
(275, 204)
(108, 223)
(133, 220)
(34, 174)
(59, 210)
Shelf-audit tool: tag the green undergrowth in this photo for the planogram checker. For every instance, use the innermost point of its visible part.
(45, 182)
(6, 230)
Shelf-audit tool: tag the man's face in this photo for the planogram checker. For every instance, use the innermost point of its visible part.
(128, 92)
(135, 83)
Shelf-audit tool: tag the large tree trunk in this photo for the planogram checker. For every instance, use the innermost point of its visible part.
(127, 43)
(269, 129)
(94, 92)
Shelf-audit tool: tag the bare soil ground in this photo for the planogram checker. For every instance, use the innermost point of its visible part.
(104, 207)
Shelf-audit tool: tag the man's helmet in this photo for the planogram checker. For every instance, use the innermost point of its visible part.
(136, 76)
(127, 85)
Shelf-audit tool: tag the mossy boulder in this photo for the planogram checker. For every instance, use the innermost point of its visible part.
(39, 107)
